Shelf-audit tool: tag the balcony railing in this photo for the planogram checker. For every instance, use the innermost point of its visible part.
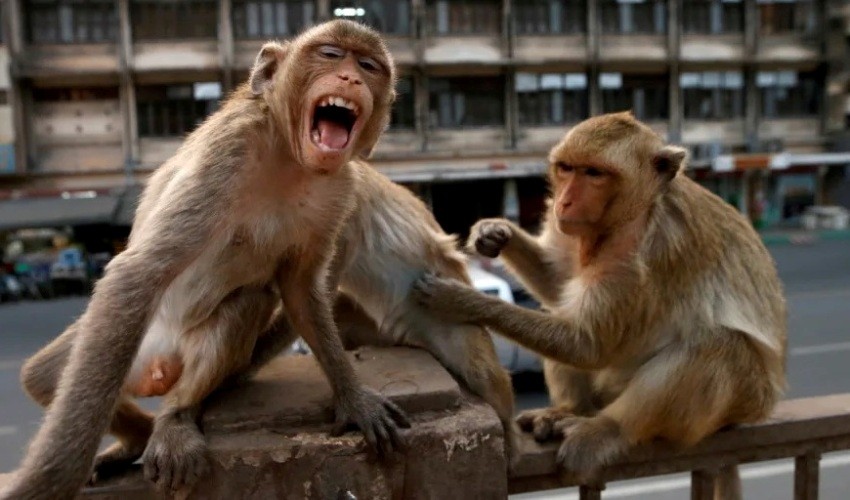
(803, 429)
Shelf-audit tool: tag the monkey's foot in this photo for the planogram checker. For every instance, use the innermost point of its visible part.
(176, 456)
(542, 423)
(375, 415)
(489, 236)
(590, 443)
(116, 459)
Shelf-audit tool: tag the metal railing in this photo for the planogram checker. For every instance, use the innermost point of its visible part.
(802, 429)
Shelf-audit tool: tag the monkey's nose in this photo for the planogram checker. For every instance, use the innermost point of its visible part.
(347, 78)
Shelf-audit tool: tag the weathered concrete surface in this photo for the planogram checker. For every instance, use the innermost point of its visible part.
(268, 438)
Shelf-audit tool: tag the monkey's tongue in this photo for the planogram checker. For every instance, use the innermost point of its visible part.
(332, 134)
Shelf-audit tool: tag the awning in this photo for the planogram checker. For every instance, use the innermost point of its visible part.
(57, 211)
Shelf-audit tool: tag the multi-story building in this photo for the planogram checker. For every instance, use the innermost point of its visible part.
(100, 92)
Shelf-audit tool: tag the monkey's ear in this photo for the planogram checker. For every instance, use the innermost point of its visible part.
(267, 62)
(669, 160)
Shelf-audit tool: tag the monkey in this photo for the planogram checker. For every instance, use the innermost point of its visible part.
(245, 214)
(389, 240)
(664, 314)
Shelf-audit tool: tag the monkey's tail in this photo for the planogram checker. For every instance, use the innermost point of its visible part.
(727, 484)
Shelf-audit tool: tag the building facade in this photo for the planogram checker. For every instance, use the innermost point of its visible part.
(95, 94)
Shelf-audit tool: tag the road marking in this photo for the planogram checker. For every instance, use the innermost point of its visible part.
(820, 349)
(8, 430)
(667, 485)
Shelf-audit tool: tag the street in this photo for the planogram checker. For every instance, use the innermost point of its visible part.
(817, 280)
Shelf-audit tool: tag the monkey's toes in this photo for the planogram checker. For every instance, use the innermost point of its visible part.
(115, 460)
(176, 458)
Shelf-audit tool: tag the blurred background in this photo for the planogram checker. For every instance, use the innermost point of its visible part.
(95, 94)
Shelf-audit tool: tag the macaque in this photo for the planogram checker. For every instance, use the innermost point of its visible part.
(390, 240)
(665, 315)
(244, 216)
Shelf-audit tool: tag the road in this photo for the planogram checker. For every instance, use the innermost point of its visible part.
(817, 282)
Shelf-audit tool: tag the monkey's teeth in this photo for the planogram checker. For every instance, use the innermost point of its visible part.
(317, 138)
(340, 102)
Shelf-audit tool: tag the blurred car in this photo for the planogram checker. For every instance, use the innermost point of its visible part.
(10, 288)
(512, 356)
(70, 270)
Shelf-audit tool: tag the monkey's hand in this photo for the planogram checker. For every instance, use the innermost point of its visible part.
(449, 298)
(544, 423)
(375, 415)
(489, 236)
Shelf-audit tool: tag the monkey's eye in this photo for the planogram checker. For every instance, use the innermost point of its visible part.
(331, 51)
(563, 167)
(368, 64)
(593, 172)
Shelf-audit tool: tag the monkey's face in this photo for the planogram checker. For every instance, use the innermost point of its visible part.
(582, 194)
(346, 79)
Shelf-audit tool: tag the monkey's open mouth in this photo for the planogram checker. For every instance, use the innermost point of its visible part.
(333, 119)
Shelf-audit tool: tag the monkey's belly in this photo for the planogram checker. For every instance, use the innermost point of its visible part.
(157, 377)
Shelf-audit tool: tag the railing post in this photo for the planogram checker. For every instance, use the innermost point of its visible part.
(806, 476)
(702, 484)
(590, 492)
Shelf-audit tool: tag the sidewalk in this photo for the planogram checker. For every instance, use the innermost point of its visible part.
(802, 236)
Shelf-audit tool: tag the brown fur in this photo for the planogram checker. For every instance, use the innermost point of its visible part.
(667, 318)
(246, 211)
(390, 240)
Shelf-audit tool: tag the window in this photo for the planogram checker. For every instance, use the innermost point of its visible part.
(787, 16)
(262, 19)
(165, 19)
(644, 95)
(788, 94)
(460, 17)
(713, 95)
(386, 16)
(74, 94)
(551, 99)
(537, 17)
(175, 110)
(466, 102)
(71, 21)
(712, 17)
(634, 16)
(403, 114)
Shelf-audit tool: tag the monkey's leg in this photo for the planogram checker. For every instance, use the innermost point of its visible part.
(682, 394)
(176, 455)
(571, 392)
(468, 353)
(130, 424)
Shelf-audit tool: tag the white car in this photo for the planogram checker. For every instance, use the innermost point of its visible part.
(511, 355)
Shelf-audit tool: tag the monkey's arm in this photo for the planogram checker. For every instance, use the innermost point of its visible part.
(60, 455)
(585, 340)
(308, 302)
(522, 253)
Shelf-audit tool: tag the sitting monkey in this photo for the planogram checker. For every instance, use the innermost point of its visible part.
(666, 315)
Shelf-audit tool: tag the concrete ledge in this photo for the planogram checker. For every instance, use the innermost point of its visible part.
(268, 438)
(797, 427)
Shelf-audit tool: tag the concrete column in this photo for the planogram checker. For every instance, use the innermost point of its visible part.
(511, 111)
(225, 43)
(508, 32)
(19, 94)
(127, 90)
(420, 94)
(751, 95)
(593, 35)
(323, 10)
(674, 41)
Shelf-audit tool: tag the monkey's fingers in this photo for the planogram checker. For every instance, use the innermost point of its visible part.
(397, 414)
(341, 426)
(525, 420)
(382, 433)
